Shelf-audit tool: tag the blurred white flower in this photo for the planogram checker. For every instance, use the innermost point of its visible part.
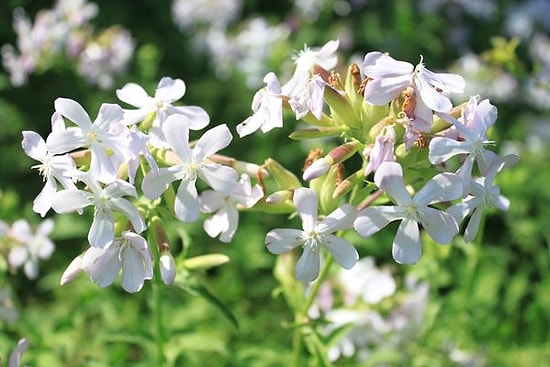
(188, 14)
(30, 247)
(366, 281)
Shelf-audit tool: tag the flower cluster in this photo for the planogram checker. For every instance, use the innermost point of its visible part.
(138, 167)
(65, 31)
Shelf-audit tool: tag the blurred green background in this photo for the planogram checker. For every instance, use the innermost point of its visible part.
(490, 302)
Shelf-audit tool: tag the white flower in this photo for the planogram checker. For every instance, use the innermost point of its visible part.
(315, 235)
(30, 246)
(324, 57)
(484, 194)
(103, 138)
(53, 168)
(193, 164)
(476, 120)
(441, 226)
(225, 220)
(310, 98)
(106, 201)
(267, 107)
(129, 253)
(168, 91)
(390, 77)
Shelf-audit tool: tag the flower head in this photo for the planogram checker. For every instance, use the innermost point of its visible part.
(224, 205)
(129, 253)
(412, 211)
(193, 164)
(30, 247)
(106, 200)
(315, 234)
(267, 106)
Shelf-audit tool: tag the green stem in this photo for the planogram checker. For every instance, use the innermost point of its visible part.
(301, 313)
(160, 338)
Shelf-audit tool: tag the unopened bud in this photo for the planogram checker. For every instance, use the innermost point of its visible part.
(284, 178)
(279, 197)
(342, 109)
(73, 270)
(167, 266)
(316, 169)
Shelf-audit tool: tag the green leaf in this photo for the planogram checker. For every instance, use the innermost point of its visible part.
(192, 286)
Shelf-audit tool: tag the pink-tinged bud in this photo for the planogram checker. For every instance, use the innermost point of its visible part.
(72, 271)
(167, 268)
(316, 169)
(279, 197)
(251, 169)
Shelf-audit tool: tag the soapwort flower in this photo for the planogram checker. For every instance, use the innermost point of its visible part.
(224, 205)
(315, 234)
(53, 168)
(412, 211)
(472, 128)
(30, 247)
(106, 200)
(193, 164)
(129, 253)
(484, 194)
(390, 77)
(267, 107)
(161, 105)
(103, 137)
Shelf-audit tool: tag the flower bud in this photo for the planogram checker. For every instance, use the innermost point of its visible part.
(72, 271)
(341, 107)
(167, 266)
(279, 197)
(352, 85)
(318, 132)
(316, 169)
(284, 178)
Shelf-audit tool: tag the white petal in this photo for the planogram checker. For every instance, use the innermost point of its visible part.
(445, 81)
(250, 125)
(66, 201)
(341, 218)
(73, 111)
(442, 187)
(170, 90)
(103, 265)
(232, 224)
(34, 146)
(371, 220)
(154, 184)
(484, 117)
(441, 226)
(219, 177)
(43, 202)
(389, 177)
(306, 203)
(431, 97)
(186, 205)
(216, 224)
(343, 252)
(381, 91)
(17, 256)
(176, 132)
(131, 213)
(198, 118)
(211, 201)
(31, 268)
(108, 115)
(473, 225)
(212, 141)
(282, 240)
(379, 65)
(63, 141)
(272, 83)
(133, 94)
(442, 149)
(102, 230)
(133, 272)
(406, 247)
(307, 266)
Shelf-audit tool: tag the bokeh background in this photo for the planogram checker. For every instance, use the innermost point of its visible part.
(488, 304)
